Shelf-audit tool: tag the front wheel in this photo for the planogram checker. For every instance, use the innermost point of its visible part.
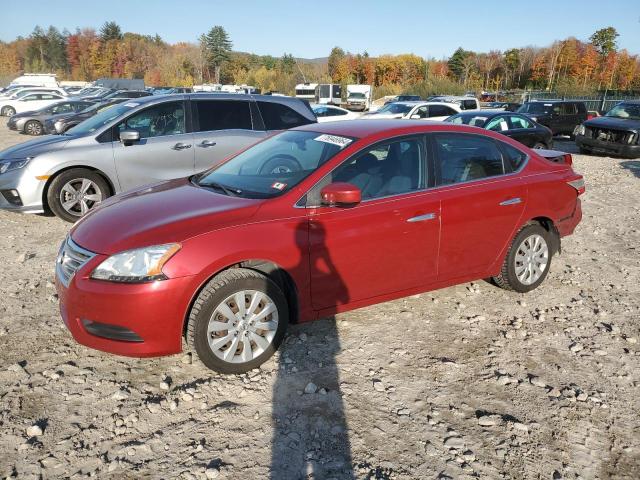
(33, 127)
(8, 111)
(539, 146)
(237, 321)
(528, 260)
(73, 193)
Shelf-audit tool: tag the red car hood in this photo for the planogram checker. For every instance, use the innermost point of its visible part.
(166, 212)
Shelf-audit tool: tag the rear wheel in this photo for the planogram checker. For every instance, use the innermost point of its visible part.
(528, 260)
(33, 127)
(8, 111)
(539, 146)
(73, 193)
(238, 321)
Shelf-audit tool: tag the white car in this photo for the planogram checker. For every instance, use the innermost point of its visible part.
(31, 101)
(330, 113)
(21, 91)
(415, 111)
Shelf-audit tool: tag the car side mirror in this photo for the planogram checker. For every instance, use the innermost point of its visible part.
(340, 194)
(129, 137)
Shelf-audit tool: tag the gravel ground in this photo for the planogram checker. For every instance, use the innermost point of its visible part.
(466, 382)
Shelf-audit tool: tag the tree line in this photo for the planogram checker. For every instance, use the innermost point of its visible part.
(570, 65)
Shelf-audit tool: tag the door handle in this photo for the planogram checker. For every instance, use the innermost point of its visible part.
(511, 201)
(422, 218)
(207, 143)
(181, 146)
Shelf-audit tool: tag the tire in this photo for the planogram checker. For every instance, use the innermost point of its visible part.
(33, 127)
(221, 291)
(97, 192)
(512, 276)
(584, 151)
(539, 146)
(281, 163)
(8, 111)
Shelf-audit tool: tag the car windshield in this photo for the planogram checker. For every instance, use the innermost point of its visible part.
(101, 119)
(535, 107)
(465, 119)
(395, 108)
(356, 95)
(273, 166)
(625, 110)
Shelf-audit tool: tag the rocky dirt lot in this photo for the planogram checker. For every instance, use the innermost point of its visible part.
(466, 382)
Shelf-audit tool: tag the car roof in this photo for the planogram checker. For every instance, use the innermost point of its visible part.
(367, 128)
(486, 113)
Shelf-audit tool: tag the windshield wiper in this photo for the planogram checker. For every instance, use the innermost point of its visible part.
(231, 192)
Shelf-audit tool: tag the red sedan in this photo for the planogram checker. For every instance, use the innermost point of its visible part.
(316, 220)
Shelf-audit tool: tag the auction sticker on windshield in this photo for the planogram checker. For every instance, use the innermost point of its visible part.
(279, 186)
(334, 140)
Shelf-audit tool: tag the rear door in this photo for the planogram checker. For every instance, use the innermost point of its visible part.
(165, 149)
(482, 204)
(523, 130)
(221, 128)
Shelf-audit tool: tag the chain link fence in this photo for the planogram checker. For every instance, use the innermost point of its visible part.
(602, 102)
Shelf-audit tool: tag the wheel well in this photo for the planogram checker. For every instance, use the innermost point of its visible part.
(550, 227)
(45, 190)
(275, 273)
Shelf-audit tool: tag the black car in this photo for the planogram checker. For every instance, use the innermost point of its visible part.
(127, 94)
(404, 98)
(62, 123)
(615, 133)
(561, 116)
(519, 127)
(32, 122)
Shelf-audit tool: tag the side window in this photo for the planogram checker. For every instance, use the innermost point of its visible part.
(387, 169)
(441, 111)
(520, 122)
(515, 157)
(463, 158)
(223, 115)
(49, 96)
(62, 108)
(321, 112)
(334, 112)
(157, 121)
(469, 105)
(498, 124)
(277, 116)
(31, 98)
(421, 112)
(568, 109)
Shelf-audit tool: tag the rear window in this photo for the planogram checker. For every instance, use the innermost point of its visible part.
(536, 107)
(223, 115)
(280, 117)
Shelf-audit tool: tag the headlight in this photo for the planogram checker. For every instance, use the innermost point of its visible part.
(8, 165)
(136, 266)
(579, 130)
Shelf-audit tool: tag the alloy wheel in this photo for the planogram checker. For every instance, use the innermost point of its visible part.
(531, 259)
(243, 326)
(34, 128)
(80, 195)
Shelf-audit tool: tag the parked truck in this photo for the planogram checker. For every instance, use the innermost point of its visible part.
(359, 97)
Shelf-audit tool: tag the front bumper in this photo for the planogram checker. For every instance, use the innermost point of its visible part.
(153, 312)
(600, 146)
(29, 189)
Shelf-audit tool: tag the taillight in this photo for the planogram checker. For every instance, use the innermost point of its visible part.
(568, 159)
(590, 116)
(578, 184)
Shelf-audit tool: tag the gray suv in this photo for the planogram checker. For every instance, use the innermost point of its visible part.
(137, 142)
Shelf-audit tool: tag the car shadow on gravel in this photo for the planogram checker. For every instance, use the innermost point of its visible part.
(633, 166)
(310, 433)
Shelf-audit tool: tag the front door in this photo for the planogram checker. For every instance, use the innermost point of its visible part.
(221, 128)
(164, 151)
(385, 244)
(481, 206)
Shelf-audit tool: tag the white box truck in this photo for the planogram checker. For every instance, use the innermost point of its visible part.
(36, 80)
(359, 97)
(329, 94)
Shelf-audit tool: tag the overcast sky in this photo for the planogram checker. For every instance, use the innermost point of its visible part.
(428, 28)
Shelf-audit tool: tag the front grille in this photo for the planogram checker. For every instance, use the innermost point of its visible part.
(71, 258)
(613, 136)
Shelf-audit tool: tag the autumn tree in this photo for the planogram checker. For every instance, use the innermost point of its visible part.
(336, 56)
